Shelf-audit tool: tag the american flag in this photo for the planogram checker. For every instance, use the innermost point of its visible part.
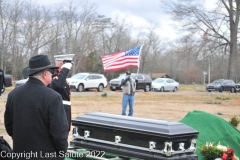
(121, 60)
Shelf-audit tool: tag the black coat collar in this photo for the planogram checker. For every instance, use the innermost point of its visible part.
(35, 80)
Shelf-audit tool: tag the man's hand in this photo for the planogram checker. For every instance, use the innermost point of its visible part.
(67, 65)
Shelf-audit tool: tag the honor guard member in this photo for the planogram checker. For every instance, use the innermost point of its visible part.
(59, 82)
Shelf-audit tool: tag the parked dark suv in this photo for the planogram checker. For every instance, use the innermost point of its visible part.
(222, 85)
(144, 81)
(8, 81)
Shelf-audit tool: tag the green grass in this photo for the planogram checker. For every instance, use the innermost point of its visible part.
(191, 87)
(8, 89)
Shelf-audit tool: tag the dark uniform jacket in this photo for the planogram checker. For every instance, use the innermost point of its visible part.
(59, 84)
(2, 80)
(35, 118)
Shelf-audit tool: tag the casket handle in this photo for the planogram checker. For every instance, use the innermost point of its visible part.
(117, 139)
(75, 132)
(193, 145)
(181, 146)
(86, 134)
(168, 149)
(152, 145)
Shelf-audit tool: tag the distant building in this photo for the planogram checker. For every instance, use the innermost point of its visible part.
(160, 75)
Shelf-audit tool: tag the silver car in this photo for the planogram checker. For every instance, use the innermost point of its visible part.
(164, 84)
(21, 82)
(85, 81)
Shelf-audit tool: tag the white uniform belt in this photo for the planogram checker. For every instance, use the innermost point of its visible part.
(67, 102)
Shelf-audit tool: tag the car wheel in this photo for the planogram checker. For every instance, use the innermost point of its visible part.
(147, 88)
(80, 88)
(221, 89)
(232, 90)
(100, 88)
(209, 90)
(174, 89)
(161, 89)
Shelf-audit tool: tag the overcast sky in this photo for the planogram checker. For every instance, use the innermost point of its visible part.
(138, 12)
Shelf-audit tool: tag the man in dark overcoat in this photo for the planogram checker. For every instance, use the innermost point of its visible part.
(35, 116)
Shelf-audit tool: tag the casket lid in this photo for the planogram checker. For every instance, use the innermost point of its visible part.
(134, 124)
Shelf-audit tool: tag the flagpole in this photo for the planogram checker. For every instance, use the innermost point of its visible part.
(139, 58)
(205, 37)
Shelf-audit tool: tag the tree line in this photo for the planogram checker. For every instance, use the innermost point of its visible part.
(75, 27)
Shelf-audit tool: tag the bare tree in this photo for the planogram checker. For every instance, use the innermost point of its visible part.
(221, 23)
(77, 17)
(153, 49)
(11, 18)
(112, 35)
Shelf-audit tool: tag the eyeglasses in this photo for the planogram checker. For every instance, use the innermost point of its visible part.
(51, 71)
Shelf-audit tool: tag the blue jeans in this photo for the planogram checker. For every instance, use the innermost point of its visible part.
(127, 99)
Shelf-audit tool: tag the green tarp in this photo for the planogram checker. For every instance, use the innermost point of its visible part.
(212, 128)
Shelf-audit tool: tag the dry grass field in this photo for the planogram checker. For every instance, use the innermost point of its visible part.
(162, 106)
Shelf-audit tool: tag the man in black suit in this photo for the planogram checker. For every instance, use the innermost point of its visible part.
(2, 81)
(35, 117)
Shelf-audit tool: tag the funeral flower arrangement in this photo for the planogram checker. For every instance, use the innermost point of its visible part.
(213, 151)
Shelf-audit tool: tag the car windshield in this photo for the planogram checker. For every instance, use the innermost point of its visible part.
(158, 80)
(217, 81)
(79, 76)
(123, 76)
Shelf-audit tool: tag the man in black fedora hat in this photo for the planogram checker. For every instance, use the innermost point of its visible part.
(35, 116)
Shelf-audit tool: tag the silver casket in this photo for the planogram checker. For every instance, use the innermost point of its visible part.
(135, 137)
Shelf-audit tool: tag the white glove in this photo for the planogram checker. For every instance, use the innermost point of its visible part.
(67, 65)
